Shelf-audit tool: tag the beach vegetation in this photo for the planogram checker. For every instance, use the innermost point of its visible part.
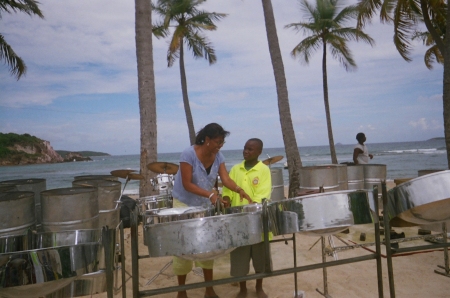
(326, 28)
(188, 23)
(16, 65)
(406, 16)
(290, 143)
(147, 93)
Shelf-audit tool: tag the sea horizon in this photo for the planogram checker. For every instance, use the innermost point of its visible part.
(402, 160)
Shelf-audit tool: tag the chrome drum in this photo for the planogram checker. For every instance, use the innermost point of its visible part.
(204, 238)
(420, 201)
(321, 214)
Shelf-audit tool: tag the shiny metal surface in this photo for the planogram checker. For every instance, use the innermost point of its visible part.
(71, 208)
(355, 176)
(108, 192)
(16, 243)
(35, 273)
(109, 218)
(155, 202)
(342, 177)
(420, 201)
(277, 193)
(314, 177)
(17, 212)
(245, 208)
(204, 238)
(158, 216)
(166, 215)
(321, 214)
(86, 285)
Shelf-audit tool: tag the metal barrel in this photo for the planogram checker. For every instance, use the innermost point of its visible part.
(428, 171)
(277, 184)
(35, 185)
(108, 193)
(342, 175)
(17, 212)
(373, 175)
(314, 177)
(70, 208)
(96, 177)
(6, 187)
(355, 177)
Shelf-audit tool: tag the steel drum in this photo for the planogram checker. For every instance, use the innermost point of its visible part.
(201, 238)
(321, 214)
(420, 201)
(154, 202)
(56, 260)
(17, 212)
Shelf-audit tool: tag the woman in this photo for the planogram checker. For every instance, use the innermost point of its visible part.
(194, 182)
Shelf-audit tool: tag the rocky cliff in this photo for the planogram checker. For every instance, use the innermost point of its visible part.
(25, 149)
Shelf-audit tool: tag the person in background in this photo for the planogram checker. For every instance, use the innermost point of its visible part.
(193, 186)
(255, 178)
(361, 153)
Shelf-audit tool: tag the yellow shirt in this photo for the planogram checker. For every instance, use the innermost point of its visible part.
(256, 182)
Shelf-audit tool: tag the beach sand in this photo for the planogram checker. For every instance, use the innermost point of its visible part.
(414, 274)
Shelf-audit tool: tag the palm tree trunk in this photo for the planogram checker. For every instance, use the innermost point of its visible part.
(187, 108)
(147, 94)
(290, 142)
(327, 104)
(446, 92)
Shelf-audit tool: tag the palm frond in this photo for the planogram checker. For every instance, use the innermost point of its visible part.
(201, 47)
(341, 52)
(160, 30)
(366, 11)
(433, 55)
(30, 7)
(306, 48)
(16, 65)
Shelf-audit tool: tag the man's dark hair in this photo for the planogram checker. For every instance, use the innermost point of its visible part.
(360, 136)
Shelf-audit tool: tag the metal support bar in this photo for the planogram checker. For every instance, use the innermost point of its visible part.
(378, 243)
(122, 259)
(324, 270)
(295, 265)
(446, 265)
(134, 252)
(108, 245)
(387, 240)
(223, 281)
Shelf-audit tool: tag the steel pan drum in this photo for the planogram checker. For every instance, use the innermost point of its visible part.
(204, 238)
(17, 212)
(420, 201)
(35, 265)
(155, 202)
(321, 214)
(165, 215)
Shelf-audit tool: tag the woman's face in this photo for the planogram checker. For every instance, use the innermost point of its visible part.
(215, 144)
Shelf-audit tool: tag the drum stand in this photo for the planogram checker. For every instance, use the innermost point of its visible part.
(445, 240)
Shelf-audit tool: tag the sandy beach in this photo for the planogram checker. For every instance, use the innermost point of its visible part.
(414, 274)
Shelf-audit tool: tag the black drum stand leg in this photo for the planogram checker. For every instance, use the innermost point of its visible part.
(446, 265)
(134, 253)
(324, 270)
(295, 266)
(378, 243)
(108, 245)
(387, 241)
(122, 260)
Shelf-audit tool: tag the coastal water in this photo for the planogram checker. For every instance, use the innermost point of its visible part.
(403, 160)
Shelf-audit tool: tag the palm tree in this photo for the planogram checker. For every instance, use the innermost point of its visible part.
(287, 129)
(405, 16)
(16, 65)
(188, 23)
(147, 94)
(325, 27)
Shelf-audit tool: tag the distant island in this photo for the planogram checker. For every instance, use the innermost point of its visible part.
(24, 149)
(437, 139)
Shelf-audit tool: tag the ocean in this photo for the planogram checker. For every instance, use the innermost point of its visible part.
(402, 160)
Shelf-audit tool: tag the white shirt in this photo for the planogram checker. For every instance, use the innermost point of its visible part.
(363, 158)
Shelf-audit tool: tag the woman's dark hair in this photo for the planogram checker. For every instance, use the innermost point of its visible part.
(360, 136)
(212, 130)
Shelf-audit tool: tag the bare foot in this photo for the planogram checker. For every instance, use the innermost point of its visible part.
(210, 293)
(260, 294)
(182, 294)
(242, 294)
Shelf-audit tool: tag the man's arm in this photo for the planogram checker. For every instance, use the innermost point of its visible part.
(356, 152)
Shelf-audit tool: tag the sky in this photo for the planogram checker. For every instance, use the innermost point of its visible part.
(80, 90)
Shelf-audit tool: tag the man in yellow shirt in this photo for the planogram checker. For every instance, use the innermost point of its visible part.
(255, 179)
